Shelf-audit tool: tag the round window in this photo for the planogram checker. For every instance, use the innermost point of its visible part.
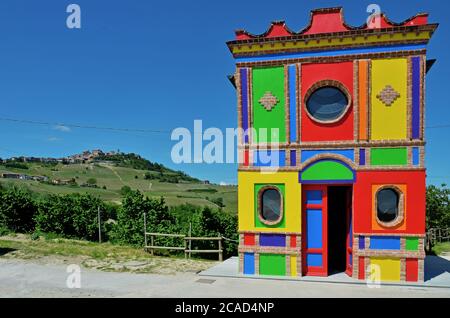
(271, 206)
(327, 104)
(387, 205)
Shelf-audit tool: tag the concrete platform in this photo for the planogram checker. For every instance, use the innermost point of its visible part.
(437, 274)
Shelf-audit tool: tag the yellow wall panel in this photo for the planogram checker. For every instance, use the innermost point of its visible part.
(246, 204)
(389, 268)
(293, 265)
(336, 41)
(389, 122)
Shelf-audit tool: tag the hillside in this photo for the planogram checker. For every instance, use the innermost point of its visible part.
(107, 180)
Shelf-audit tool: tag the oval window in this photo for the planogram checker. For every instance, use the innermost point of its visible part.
(387, 205)
(327, 103)
(271, 205)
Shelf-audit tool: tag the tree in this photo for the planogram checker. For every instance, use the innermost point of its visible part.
(438, 207)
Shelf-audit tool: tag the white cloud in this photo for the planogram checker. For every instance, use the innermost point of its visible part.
(62, 128)
(53, 139)
(223, 183)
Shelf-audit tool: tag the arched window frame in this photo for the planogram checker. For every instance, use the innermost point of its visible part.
(401, 206)
(260, 205)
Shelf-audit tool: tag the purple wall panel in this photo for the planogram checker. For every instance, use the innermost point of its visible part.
(415, 98)
(293, 158)
(244, 101)
(362, 243)
(277, 240)
(362, 157)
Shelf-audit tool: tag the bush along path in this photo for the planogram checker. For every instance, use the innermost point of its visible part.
(75, 216)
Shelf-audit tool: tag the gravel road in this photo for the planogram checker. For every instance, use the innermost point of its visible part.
(25, 278)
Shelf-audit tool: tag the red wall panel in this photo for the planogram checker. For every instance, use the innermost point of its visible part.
(412, 270)
(415, 199)
(249, 239)
(293, 241)
(361, 268)
(313, 73)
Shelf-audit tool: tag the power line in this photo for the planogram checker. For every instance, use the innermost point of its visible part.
(119, 129)
(33, 122)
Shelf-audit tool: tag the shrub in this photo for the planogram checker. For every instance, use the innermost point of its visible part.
(130, 218)
(125, 190)
(4, 230)
(17, 210)
(91, 181)
(16, 165)
(72, 215)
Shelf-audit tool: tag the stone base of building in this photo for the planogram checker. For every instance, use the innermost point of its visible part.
(375, 257)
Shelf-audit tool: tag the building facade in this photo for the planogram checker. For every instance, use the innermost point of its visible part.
(332, 173)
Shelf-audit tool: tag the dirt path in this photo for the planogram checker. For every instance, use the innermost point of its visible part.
(114, 171)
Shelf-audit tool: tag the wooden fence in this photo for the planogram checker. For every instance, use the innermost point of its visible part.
(186, 241)
(436, 235)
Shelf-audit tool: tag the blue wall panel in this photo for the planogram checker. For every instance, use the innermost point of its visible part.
(384, 243)
(270, 158)
(314, 197)
(314, 228)
(347, 153)
(415, 156)
(338, 52)
(314, 260)
(249, 263)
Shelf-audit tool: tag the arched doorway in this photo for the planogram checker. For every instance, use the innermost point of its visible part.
(327, 186)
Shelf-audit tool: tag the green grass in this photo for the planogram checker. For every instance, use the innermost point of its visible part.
(114, 178)
(440, 248)
(105, 256)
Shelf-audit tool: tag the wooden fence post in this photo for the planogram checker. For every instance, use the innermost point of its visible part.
(145, 231)
(220, 249)
(99, 226)
(152, 242)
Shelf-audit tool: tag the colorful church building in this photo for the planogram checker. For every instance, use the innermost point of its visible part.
(346, 105)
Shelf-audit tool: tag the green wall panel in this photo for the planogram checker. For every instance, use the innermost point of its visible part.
(412, 243)
(389, 157)
(272, 264)
(269, 79)
(327, 170)
(258, 223)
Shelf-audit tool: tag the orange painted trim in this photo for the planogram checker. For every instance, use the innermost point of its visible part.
(362, 90)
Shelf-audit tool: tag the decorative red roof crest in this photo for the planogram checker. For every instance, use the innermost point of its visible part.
(330, 20)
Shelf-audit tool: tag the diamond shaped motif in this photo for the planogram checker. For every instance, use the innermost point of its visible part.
(268, 101)
(388, 95)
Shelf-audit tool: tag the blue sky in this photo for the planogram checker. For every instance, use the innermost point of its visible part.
(159, 65)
